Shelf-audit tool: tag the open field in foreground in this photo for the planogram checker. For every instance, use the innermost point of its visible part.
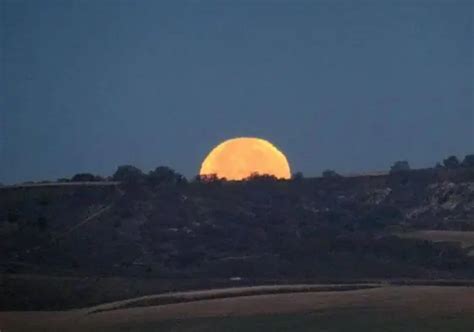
(387, 308)
(325, 321)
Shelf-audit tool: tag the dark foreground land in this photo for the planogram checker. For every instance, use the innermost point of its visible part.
(82, 244)
(328, 321)
(381, 308)
(370, 253)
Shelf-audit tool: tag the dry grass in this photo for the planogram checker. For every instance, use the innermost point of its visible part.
(421, 301)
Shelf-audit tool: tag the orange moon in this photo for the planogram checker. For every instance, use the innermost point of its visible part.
(238, 158)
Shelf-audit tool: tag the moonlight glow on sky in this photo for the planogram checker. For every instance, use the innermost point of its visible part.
(238, 158)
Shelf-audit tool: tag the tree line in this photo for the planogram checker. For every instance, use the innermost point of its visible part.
(164, 174)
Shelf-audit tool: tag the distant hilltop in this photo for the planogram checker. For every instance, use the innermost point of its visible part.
(416, 224)
(129, 173)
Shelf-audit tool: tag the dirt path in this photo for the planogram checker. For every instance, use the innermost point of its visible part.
(81, 223)
(85, 221)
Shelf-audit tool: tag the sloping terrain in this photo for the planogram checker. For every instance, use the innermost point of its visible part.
(319, 229)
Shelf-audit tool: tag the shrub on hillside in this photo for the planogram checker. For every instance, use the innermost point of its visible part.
(128, 174)
(85, 177)
(165, 175)
(451, 162)
(468, 161)
(329, 173)
(400, 166)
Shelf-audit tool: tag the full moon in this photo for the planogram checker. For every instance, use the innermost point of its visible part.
(238, 158)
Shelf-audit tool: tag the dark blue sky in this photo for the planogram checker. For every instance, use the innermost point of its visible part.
(346, 85)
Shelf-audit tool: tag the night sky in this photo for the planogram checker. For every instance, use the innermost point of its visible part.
(346, 85)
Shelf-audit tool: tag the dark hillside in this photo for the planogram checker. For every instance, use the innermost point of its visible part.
(330, 228)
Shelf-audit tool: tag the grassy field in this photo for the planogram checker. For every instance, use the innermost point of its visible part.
(386, 308)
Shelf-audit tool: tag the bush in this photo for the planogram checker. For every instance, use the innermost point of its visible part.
(468, 161)
(85, 177)
(208, 178)
(165, 175)
(451, 162)
(400, 166)
(261, 177)
(128, 174)
(298, 176)
(329, 173)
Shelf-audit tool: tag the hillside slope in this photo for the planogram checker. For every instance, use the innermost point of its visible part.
(339, 228)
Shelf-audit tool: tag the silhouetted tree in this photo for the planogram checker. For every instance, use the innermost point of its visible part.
(261, 177)
(208, 178)
(165, 175)
(85, 177)
(329, 173)
(298, 176)
(400, 166)
(128, 174)
(451, 162)
(468, 161)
